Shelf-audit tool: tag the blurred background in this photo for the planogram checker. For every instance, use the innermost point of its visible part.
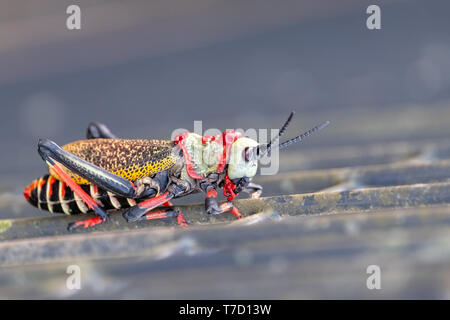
(145, 68)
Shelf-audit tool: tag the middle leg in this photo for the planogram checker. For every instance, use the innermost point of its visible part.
(167, 212)
(212, 207)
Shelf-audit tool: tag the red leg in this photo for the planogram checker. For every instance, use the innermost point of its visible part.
(78, 191)
(180, 220)
(236, 213)
(227, 206)
(102, 215)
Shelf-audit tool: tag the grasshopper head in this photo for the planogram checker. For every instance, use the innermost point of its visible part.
(243, 161)
(246, 152)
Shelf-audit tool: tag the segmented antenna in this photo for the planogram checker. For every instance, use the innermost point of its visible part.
(304, 135)
(282, 130)
(267, 147)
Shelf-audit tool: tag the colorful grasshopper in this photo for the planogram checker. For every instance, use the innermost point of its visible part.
(104, 172)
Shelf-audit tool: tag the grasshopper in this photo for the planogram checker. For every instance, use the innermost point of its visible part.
(140, 175)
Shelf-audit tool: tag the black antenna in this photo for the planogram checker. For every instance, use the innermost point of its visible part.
(282, 130)
(304, 135)
(267, 147)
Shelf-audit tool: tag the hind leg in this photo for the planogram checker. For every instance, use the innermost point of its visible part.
(54, 155)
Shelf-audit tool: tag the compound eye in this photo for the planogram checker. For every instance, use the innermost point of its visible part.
(248, 154)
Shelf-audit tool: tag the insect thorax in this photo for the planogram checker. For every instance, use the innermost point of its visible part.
(205, 155)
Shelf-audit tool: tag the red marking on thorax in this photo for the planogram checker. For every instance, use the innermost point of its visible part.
(180, 141)
(228, 189)
(227, 138)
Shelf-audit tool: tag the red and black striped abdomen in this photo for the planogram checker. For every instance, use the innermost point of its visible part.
(48, 193)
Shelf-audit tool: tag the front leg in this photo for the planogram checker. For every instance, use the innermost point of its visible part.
(253, 189)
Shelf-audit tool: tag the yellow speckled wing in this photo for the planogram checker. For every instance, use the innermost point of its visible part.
(131, 159)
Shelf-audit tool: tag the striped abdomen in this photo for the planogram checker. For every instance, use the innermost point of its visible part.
(48, 193)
